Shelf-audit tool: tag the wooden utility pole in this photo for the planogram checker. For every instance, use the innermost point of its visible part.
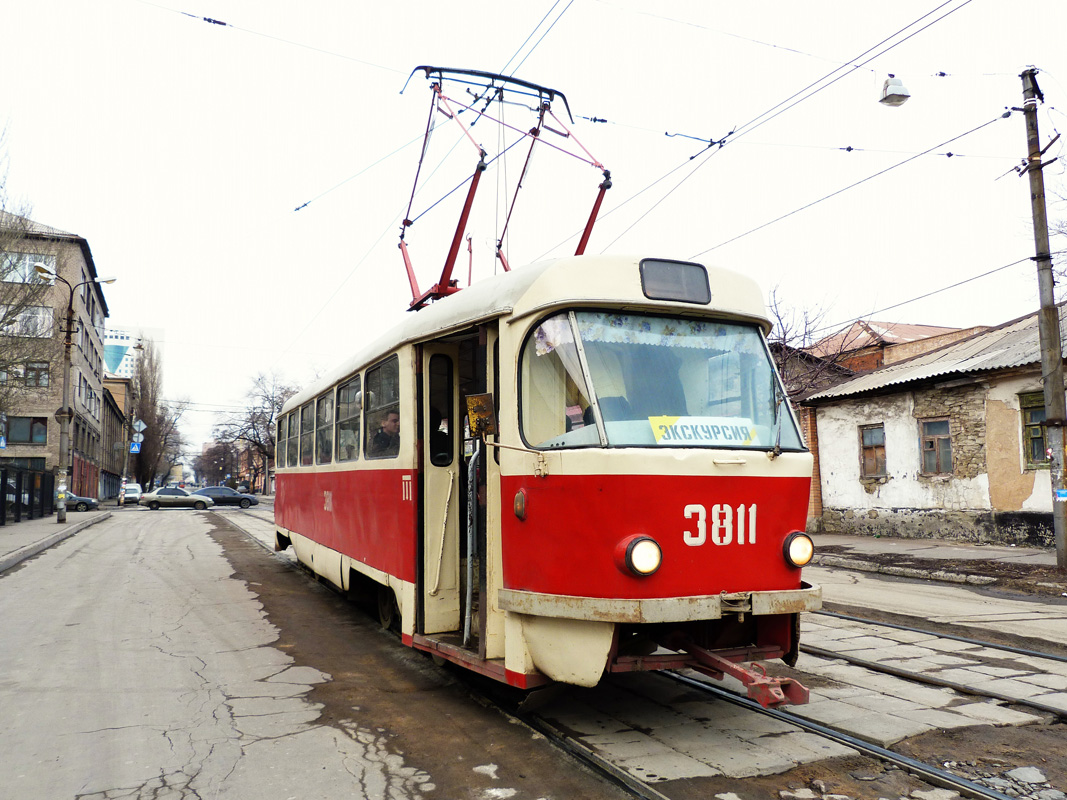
(1048, 320)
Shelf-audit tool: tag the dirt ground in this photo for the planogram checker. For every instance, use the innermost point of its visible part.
(1026, 579)
(389, 691)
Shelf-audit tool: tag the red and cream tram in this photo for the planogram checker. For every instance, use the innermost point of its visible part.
(586, 465)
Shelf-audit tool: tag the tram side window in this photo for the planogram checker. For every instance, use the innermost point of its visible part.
(324, 429)
(279, 446)
(348, 403)
(307, 435)
(383, 410)
(292, 443)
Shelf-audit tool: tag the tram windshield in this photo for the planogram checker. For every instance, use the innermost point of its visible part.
(608, 379)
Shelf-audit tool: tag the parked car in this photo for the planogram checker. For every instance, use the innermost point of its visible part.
(225, 496)
(173, 497)
(133, 494)
(82, 503)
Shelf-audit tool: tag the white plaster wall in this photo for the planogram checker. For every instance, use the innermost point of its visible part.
(839, 462)
(1008, 392)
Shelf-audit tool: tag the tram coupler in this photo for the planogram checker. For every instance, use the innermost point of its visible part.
(769, 692)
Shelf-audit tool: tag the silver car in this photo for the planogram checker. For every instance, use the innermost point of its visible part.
(174, 497)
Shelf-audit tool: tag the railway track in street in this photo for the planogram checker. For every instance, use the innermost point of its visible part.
(992, 653)
(665, 736)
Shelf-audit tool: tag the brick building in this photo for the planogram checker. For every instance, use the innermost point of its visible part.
(32, 431)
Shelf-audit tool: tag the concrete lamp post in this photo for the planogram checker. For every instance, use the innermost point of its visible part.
(64, 414)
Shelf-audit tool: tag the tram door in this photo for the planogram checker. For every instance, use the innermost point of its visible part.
(442, 488)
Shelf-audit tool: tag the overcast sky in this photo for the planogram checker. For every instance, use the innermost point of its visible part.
(179, 148)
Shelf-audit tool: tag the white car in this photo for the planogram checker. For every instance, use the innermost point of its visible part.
(173, 497)
(132, 495)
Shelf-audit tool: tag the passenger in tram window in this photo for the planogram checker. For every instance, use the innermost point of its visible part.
(386, 442)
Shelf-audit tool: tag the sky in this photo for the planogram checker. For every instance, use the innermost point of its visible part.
(182, 149)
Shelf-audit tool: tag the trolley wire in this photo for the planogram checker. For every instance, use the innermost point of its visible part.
(852, 185)
(796, 99)
(281, 39)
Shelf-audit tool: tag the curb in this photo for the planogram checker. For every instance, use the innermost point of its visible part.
(902, 572)
(30, 550)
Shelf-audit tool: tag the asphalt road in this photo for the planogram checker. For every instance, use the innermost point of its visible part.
(162, 654)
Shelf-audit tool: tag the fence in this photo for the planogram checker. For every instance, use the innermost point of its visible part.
(27, 494)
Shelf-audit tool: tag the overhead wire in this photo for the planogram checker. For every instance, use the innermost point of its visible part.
(798, 97)
(220, 23)
(839, 325)
(850, 186)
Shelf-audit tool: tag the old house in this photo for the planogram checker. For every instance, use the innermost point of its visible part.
(949, 443)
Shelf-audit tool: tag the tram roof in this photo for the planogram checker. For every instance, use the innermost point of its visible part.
(586, 280)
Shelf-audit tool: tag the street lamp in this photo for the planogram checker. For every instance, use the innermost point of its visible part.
(64, 414)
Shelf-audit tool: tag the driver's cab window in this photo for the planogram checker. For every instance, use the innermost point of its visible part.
(602, 378)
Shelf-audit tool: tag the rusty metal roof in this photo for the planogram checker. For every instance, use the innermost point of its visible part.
(1013, 344)
(867, 333)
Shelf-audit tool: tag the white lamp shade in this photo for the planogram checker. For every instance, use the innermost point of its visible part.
(893, 92)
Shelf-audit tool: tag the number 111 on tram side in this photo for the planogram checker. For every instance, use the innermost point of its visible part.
(583, 466)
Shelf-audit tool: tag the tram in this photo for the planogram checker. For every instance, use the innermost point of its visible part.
(584, 466)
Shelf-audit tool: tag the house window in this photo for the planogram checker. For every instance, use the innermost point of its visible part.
(936, 447)
(21, 267)
(31, 321)
(1032, 411)
(27, 430)
(37, 374)
(872, 448)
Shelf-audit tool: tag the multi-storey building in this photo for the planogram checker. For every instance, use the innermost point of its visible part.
(32, 254)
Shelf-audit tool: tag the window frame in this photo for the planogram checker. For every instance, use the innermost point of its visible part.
(864, 448)
(353, 406)
(935, 439)
(1033, 402)
(375, 405)
(324, 427)
(33, 424)
(307, 434)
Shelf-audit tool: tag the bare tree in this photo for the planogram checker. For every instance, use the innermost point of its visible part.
(252, 428)
(162, 445)
(28, 349)
(806, 362)
(217, 461)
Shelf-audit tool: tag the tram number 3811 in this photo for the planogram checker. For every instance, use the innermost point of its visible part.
(725, 522)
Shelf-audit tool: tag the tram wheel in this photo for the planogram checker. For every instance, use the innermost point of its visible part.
(388, 610)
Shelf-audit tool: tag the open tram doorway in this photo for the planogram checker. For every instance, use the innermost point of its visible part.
(452, 580)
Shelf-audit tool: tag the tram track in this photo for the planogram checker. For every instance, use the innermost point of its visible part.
(934, 775)
(932, 680)
(622, 772)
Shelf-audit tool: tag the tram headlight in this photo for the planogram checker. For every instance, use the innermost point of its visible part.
(638, 555)
(798, 549)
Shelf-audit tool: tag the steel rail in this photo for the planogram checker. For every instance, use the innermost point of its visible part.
(612, 772)
(933, 775)
(918, 677)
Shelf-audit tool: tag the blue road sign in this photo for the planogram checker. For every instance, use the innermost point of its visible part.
(135, 447)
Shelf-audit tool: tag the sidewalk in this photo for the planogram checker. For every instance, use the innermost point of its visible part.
(935, 559)
(22, 540)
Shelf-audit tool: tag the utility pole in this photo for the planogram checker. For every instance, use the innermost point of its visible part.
(1048, 320)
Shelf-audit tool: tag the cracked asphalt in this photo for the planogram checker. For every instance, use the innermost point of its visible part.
(164, 655)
